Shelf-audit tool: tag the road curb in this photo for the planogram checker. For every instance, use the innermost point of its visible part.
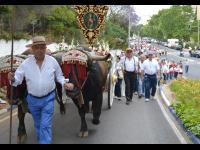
(193, 137)
(3, 111)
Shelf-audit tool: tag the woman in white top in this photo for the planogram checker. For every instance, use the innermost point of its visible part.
(165, 70)
(120, 76)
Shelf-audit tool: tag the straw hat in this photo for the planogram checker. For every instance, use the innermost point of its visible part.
(38, 40)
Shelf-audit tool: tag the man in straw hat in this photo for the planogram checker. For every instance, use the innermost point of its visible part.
(40, 71)
(129, 63)
(150, 71)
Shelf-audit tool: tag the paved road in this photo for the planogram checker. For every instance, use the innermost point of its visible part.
(138, 123)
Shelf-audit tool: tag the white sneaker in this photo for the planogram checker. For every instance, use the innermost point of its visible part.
(153, 98)
(146, 100)
(115, 97)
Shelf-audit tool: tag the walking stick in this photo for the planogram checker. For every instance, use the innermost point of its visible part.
(11, 67)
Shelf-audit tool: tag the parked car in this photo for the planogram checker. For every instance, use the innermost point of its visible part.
(195, 53)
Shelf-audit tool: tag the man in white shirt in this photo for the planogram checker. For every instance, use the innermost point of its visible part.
(130, 67)
(150, 69)
(40, 72)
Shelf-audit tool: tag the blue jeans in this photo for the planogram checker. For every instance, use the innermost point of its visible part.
(171, 74)
(150, 85)
(42, 112)
(141, 87)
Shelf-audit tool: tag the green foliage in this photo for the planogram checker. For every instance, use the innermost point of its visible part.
(170, 23)
(114, 34)
(56, 21)
(187, 105)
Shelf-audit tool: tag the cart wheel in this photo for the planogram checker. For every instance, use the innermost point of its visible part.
(110, 91)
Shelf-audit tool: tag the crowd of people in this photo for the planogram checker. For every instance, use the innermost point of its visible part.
(140, 74)
(142, 70)
(171, 70)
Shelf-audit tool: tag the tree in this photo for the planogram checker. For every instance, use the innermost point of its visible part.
(116, 27)
(170, 23)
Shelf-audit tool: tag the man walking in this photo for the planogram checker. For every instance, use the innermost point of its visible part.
(186, 66)
(150, 70)
(129, 63)
(40, 72)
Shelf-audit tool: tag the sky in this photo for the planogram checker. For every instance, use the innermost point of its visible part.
(146, 11)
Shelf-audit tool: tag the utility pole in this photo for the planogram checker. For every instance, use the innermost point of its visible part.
(138, 40)
(198, 18)
(33, 25)
(129, 28)
(198, 33)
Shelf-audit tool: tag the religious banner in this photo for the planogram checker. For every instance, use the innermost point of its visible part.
(90, 19)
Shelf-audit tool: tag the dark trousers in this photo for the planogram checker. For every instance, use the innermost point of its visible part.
(186, 69)
(136, 83)
(150, 85)
(129, 78)
(165, 76)
(118, 88)
(175, 75)
(171, 74)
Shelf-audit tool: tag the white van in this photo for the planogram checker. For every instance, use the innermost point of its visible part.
(173, 43)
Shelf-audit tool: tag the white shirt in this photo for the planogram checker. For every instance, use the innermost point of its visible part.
(165, 69)
(39, 82)
(140, 65)
(129, 65)
(150, 67)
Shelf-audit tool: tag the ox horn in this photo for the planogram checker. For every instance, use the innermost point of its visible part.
(100, 58)
(96, 58)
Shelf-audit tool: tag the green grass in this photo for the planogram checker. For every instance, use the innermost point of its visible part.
(187, 104)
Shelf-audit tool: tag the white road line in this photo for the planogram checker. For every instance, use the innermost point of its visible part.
(8, 117)
(172, 124)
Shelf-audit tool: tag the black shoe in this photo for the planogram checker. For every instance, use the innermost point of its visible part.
(96, 121)
(119, 99)
(127, 102)
(140, 96)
